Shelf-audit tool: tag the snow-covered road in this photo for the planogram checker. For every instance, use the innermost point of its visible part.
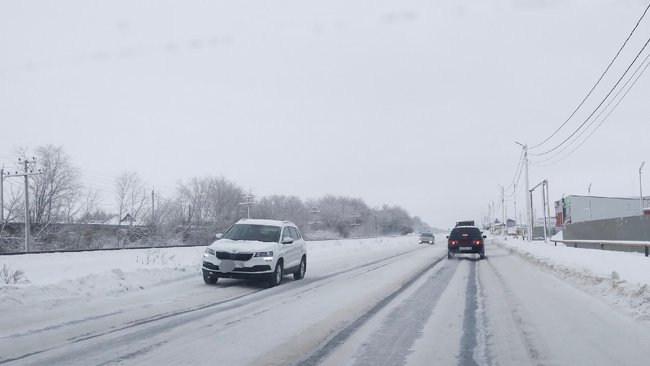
(501, 311)
(383, 301)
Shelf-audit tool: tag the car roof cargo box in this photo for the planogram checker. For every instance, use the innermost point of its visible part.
(465, 223)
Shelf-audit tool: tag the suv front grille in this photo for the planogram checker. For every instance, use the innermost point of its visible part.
(235, 256)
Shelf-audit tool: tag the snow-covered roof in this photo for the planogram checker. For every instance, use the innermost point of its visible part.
(265, 222)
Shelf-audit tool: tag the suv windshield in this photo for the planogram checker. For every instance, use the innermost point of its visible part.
(426, 234)
(253, 233)
(460, 232)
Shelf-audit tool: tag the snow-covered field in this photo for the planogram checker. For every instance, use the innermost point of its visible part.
(49, 279)
(622, 278)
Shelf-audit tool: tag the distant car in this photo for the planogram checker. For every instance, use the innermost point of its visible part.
(465, 223)
(466, 239)
(256, 249)
(427, 238)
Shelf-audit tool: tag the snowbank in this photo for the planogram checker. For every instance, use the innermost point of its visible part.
(86, 275)
(622, 278)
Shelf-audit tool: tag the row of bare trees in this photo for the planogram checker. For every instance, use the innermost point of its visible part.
(200, 204)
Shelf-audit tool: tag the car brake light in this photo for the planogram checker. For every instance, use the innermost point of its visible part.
(477, 242)
(453, 242)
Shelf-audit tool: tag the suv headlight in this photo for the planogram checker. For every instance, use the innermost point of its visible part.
(265, 255)
(209, 252)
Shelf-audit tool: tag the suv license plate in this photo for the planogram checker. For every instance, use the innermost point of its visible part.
(465, 248)
(226, 266)
(239, 264)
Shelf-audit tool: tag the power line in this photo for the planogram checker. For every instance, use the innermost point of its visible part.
(514, 189)
(517, 172)
(604, 119)
(641, 68)
(600, 104)
(597, 82)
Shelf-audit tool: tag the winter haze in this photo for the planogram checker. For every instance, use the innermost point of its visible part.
(414, 103)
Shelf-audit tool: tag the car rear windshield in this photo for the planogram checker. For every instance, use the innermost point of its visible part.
(464, 232)
(426, 234)
(252, 232)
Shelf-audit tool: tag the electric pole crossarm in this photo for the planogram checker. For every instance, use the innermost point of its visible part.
(21, 174)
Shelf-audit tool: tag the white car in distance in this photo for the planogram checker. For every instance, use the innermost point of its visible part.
(256, 249)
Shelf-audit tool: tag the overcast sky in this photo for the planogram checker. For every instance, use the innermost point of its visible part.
(415, 103)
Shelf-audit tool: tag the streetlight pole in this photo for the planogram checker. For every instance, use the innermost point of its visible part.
(641, 187)
(589, 200)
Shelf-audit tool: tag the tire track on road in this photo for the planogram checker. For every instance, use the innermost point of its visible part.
(526, 335)
(342, 335)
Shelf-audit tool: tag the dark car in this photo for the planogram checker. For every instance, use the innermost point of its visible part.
(466, 239)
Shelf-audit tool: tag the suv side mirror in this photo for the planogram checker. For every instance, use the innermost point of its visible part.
(447, 236)
(218, 236)
(484, 236)
(287, 240)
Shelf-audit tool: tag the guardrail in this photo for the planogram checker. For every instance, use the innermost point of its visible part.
(610, 243)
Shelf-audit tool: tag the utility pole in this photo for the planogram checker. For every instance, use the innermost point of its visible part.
(153, 210)
(314, 211)
(515, 201)
(503, 211)
(26, 174)
(2, 197)
(641, 187)
(544, 210)
(355, 216)
(589, 200)
(545, 207)
(529, 200)
(548, 202)
(249, 200)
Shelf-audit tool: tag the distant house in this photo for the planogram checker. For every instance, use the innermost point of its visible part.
(126, 220)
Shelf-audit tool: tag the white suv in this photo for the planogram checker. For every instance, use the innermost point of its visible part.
(256, 249)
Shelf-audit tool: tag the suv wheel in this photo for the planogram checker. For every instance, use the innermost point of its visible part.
(303, 268)
(276, 276)
(449, 255)
(482, 255)
(209, 279)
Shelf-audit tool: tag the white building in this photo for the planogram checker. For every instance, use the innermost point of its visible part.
(572, 209)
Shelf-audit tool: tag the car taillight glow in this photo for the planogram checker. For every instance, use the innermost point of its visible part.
(453, 242)
(477, 242)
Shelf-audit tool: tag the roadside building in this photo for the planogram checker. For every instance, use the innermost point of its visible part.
(574, 208)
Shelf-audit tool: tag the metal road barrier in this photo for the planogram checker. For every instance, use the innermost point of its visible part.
(607, 243)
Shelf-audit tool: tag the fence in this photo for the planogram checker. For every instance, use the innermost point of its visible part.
(633, 228)
(608, 244)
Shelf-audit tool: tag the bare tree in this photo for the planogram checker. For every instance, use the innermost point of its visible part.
(88, 205)
(289, 208)
(13, 211)
(56, 190)
(13, 204)
(344, 215)
(210, 201)
(131, 195)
